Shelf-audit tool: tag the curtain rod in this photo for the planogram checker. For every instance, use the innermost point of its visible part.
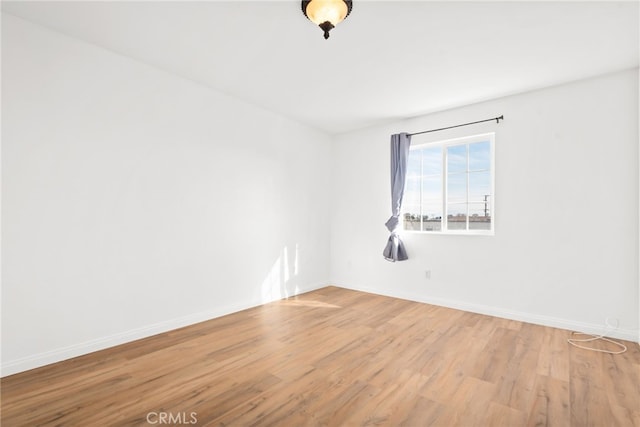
(497, 119)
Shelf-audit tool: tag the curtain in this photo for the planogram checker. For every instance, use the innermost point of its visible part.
(400, 143)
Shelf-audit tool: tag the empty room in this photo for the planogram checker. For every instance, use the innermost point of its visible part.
(325, 212)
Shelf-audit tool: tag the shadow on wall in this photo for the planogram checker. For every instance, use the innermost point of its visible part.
(279, 281)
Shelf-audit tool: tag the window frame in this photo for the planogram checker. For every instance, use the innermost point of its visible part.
(443, 145)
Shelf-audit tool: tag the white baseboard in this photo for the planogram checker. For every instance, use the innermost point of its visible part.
(571, 325)
(41, 359)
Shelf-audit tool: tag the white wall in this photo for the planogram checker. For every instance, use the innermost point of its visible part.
(565, 250)
(135, 201)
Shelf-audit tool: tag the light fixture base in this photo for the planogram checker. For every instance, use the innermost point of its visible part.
(326, 27)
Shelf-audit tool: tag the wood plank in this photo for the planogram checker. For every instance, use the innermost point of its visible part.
(337, 357)
(551, 405)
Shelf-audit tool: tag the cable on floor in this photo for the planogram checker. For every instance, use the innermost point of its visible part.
(574, 341)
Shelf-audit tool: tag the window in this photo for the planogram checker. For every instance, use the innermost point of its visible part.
(449, 186)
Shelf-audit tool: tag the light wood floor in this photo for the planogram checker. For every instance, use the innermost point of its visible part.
(337, 357)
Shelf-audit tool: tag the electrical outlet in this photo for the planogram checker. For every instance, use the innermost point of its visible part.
(427, 274)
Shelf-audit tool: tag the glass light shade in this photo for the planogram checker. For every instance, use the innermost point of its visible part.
(333, 11)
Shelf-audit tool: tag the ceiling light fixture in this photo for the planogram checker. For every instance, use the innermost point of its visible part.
(326, 13)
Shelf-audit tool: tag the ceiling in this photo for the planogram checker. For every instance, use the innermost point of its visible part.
(388, 60)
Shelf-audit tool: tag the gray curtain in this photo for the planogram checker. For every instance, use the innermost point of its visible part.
(400, 143)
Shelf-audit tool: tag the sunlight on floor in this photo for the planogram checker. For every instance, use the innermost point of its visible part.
(306, 303)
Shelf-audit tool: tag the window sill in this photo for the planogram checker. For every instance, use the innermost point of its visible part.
(452, 233)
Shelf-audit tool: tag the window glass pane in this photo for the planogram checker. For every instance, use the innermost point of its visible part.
(479, 216)
(414, 164)
(411, 217)
(457, 158)
(457, 188)
(411, 204)
(432, 217)
(432, 225)
(432, 189)
(457, 217)
(479, 186)
(411, 191)
(480, 156)
(432, 161)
